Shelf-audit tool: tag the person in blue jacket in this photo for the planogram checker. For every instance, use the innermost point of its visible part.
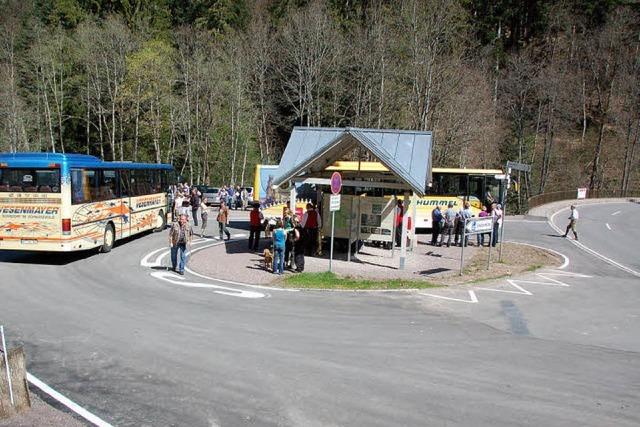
(279, 242)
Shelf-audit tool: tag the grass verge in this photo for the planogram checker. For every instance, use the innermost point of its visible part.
(328, 280)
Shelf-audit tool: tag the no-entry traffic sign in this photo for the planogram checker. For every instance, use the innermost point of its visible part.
(336, 183)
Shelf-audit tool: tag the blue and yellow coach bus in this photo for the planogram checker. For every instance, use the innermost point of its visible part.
(69, 202)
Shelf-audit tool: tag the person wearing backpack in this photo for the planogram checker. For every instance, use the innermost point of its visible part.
(449, 224)
(298, 244)
(223, 220)
(436, 218)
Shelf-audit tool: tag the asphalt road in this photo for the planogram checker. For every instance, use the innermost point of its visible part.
(137, 350)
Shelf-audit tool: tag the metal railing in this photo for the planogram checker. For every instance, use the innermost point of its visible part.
(555, 196)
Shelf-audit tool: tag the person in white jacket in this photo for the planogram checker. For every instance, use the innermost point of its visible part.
(573, 218)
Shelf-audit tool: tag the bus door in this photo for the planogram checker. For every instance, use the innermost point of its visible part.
(125, 197)
(475, 193)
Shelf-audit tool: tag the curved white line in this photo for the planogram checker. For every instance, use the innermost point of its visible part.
(180, 281)
(588, 249)
(231, 282)
(564, 265)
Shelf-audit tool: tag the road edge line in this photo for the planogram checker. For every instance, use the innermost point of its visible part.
(70, 404)
(588, 249)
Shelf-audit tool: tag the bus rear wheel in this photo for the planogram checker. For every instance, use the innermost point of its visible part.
(161, 221)
(109, 238)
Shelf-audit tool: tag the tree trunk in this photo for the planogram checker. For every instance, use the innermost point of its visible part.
(595, 166)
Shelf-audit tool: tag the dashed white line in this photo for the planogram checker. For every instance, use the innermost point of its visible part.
(615, 213)
(608, 226)
(93, 419)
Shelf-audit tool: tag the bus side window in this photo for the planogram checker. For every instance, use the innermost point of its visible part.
(124, 178)
(84, 186)
(108, 185)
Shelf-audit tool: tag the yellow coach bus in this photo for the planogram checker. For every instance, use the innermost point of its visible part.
(69, 202)
(448, 185)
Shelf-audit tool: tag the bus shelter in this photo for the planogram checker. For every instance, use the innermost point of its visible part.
(406, 155)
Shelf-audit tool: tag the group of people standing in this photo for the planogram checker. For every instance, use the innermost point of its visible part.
(292, 237)
(450, 222)
(235, 198)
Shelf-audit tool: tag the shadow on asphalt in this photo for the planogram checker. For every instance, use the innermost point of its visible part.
(59, 258)
(433, 271)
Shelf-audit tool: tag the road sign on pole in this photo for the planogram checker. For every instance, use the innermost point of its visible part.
(336, 183)
(334, 205)
(518, 166)
(334, 202)
(477, 225)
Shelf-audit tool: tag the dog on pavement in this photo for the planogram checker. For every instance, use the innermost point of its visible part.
(268, 259)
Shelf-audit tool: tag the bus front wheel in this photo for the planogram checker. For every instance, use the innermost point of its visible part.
(109, 238)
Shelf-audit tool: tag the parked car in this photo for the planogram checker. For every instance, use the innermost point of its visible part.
(213, 196)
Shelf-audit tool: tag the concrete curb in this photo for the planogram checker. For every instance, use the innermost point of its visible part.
(547, 210)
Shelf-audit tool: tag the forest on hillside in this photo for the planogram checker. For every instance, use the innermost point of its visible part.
(216, 86)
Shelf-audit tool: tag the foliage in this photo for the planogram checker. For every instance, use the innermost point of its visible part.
(215, 86)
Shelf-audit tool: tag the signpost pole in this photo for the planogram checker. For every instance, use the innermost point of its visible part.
(504, 213)
(350, 230)
(334, 205)
(490, 241)
(464, 235)
(333, 223)
(403, 233)
(6, 364)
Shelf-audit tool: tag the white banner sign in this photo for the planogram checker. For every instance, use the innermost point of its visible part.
(334, 203)
(479, 225)
(582, 193)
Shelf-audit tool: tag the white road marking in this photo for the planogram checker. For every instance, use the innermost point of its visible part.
(93, 419)
(589, 250)
(615, 213)
(210, 242)
(608, 226)
(181, 281)
(518, 285)
(564, 265)
(473, 299)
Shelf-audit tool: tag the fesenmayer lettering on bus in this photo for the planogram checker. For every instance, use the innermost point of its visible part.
(146, 202)
(29, 210)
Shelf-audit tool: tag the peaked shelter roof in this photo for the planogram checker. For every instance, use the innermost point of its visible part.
(407, 154)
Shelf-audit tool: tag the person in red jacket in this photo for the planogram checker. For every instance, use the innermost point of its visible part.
(399, 217)
(255, 227)
(311, 223)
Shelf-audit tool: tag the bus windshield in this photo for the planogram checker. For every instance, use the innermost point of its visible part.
(29, 180)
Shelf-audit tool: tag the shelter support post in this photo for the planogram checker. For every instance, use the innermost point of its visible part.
(504, 214)
(414, 225)
(403, 243)
(292, 197)
(394, 203)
